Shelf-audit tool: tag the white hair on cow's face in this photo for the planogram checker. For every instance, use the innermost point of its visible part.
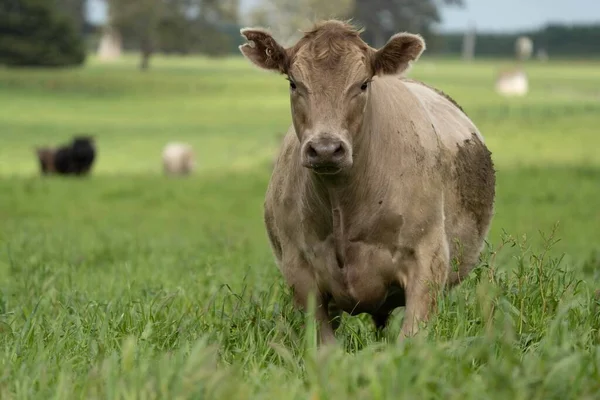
(178, 159)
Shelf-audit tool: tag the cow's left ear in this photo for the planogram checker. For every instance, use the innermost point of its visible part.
(395, 57)
(264, 51)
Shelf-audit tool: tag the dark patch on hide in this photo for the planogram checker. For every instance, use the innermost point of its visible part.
(476, 180)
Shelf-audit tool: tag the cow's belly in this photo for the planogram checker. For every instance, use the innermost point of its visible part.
(367, 281)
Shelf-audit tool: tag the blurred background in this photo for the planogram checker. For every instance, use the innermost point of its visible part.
(136, 145)
(80, 28)
(158, 87)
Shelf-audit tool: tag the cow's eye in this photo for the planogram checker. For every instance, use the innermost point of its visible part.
(292, 84)
(364, 86)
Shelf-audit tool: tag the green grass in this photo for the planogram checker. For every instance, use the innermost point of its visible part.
(130, 285)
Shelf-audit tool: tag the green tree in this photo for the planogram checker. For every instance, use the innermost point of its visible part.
(139, 21)
(383, 18)
(32, 33)
(173, 25)
(75, 10)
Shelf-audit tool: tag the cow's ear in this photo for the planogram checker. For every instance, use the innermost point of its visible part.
(264, 51)
(395, 57)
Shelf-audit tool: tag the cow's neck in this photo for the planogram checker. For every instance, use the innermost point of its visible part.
(338, 200)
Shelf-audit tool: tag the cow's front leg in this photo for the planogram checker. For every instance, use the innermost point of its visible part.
(426, 274)
(300, 277)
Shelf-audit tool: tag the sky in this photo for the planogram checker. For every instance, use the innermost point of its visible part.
(487, 15)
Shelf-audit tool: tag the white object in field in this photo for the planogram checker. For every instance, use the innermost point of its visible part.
(178, 159)
(110, 45)
(468, 45)
(523, 48)
(512, 83)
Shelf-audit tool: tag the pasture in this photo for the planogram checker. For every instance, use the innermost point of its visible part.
(129, 285)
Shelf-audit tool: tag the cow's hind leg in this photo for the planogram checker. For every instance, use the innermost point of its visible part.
(426, 275)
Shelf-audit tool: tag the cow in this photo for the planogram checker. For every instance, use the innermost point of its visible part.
(75, 158)
(178, 159)
(512, 82)
(383, 191)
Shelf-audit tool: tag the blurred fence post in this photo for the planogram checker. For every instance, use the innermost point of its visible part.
(468, 50)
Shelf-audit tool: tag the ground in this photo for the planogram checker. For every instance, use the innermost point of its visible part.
(131, 285)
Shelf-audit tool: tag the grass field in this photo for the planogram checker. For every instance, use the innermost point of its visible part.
(127, 285)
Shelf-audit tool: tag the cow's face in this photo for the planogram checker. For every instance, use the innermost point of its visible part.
(329, 72)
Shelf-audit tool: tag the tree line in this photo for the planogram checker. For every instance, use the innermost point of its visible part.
(577, 41)
(55, 32)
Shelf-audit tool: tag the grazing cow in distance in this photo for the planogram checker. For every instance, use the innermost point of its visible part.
(178, 159)
(75, 158)
(512, 83)
(380, 183)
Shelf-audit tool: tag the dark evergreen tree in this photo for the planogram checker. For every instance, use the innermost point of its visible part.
(32, 33)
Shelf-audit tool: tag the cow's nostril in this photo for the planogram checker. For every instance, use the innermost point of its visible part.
(339, 151)
(312, 153)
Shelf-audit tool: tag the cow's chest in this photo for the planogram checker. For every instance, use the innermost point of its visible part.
(363, 278)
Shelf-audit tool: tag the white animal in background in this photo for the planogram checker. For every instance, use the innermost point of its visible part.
(110, 45)
(524, 48)
(512, 83)
(178, 159)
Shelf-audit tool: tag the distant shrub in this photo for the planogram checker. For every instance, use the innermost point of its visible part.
(33, 34)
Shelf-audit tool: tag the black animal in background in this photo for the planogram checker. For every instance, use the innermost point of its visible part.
(75, 158)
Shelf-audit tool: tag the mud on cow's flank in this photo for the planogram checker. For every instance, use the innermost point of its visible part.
(473, 163)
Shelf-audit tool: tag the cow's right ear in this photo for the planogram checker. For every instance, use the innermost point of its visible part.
(263, 51)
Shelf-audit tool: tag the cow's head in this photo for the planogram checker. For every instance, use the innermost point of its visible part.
(83, 140)
(329, 71)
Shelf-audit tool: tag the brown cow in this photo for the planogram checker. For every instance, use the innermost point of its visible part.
(380, 183)
(46, 158)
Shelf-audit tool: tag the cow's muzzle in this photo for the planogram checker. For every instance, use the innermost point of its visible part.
(326, 155)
